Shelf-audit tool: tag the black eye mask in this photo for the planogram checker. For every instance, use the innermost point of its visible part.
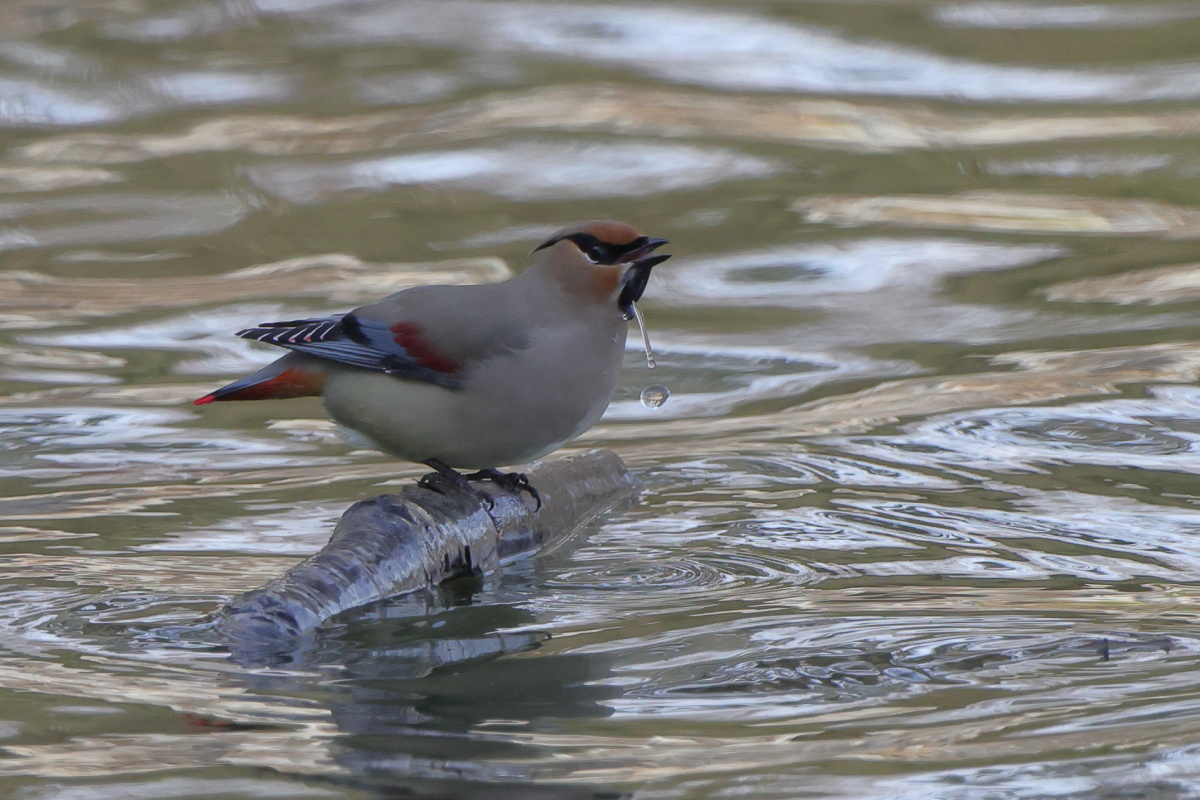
(636, 254)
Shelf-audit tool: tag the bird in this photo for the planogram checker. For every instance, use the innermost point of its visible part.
(473, 377)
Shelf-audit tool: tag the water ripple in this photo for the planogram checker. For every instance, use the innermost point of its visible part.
(711, 380)
(523, 171)
(817, 275)
(115, 217)
(1010, 15)
(975, 580)
(95, 440)
(1155, 434)
(806, 664)
(730, 50)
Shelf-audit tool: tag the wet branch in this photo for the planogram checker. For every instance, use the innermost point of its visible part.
(396, 543)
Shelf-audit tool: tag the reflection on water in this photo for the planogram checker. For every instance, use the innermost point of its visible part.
(737, 51)
(606, 108)
(1011, 212)
(1011, 15)
(524, 171)
(920, 519)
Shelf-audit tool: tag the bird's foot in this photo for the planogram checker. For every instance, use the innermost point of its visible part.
(443, 477)
(512, 481)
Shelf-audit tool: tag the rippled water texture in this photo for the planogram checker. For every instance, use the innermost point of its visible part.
(921, 516)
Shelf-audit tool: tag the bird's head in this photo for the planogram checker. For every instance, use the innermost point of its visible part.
(609, 261)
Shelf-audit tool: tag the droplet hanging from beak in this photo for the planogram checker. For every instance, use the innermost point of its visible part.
(637, 315)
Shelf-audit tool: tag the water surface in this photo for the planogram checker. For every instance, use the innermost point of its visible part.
(921, 513)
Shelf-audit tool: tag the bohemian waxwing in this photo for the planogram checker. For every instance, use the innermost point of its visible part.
(472, 377)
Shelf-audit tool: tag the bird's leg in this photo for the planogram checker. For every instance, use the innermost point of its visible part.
(512, 481)
(443, 474)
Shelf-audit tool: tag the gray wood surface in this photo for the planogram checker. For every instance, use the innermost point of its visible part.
(396, 543)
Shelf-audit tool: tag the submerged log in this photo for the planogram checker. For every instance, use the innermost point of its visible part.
(397, 543)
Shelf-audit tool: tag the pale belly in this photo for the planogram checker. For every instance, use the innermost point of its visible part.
(511, 411)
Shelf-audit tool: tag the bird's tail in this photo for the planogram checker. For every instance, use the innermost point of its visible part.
(294, 375)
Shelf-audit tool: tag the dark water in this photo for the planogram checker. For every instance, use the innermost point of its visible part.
(922, 510)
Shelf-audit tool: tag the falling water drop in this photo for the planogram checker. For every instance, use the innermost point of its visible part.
(655, 396)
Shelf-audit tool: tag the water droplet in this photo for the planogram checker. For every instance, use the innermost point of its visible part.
(655, 396)
(650, 362)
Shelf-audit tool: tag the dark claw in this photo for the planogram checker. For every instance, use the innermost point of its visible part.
(436, 481)
(512, 481)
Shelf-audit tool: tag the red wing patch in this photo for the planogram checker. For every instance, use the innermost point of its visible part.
(408, 336)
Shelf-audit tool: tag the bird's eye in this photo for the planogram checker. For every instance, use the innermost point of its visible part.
(593, 249)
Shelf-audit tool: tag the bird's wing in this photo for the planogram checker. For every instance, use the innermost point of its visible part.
(400, 349)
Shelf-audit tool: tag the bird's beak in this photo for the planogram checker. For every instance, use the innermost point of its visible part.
(640, 262)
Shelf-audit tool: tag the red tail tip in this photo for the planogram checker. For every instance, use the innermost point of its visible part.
(208, 398)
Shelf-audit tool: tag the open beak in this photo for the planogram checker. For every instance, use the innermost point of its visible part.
(640, 262)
